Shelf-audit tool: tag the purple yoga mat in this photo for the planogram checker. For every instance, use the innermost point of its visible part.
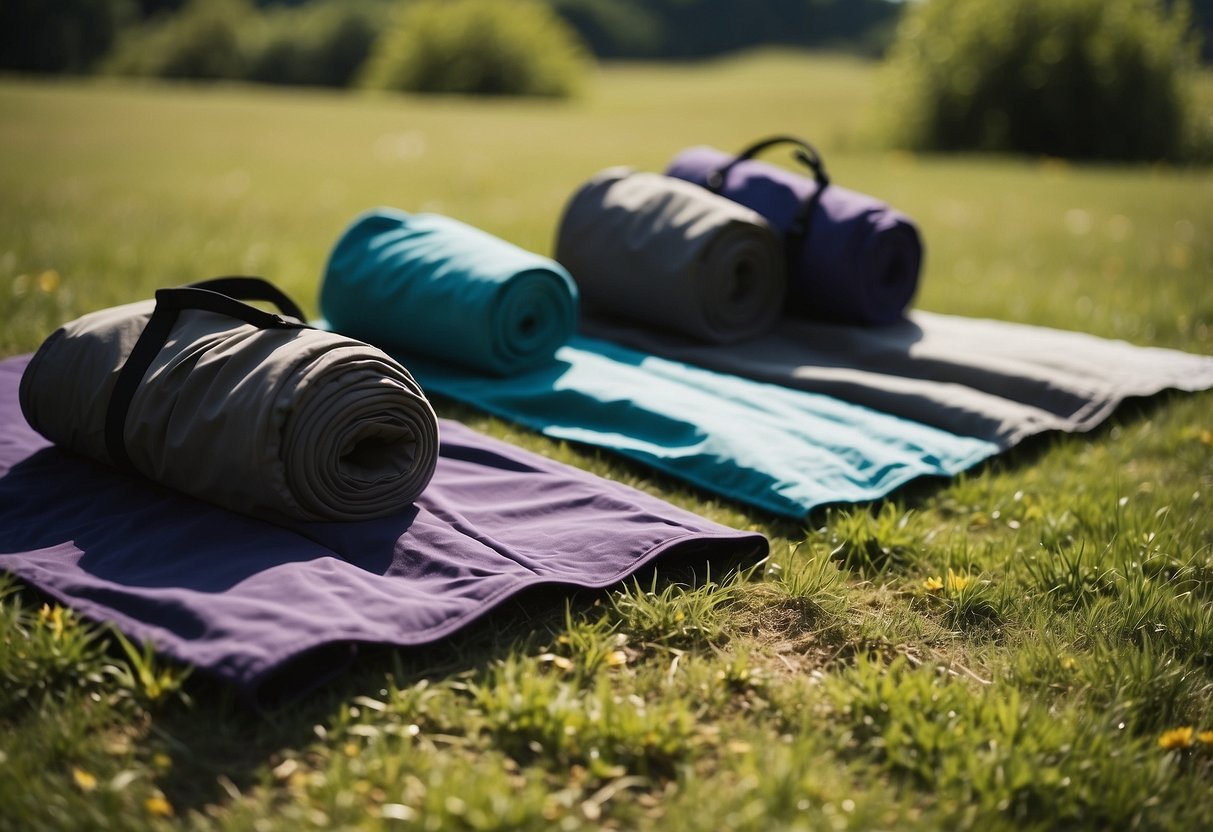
(858, 260)
(270, 608)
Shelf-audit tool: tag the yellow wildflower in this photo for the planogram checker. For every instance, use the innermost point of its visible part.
(1205, 737)
(48, 281)
(1176, 738)
(957, 582)
(157, 805)
(84, 780)
(616, 658)
(53, 618)
(933, 584)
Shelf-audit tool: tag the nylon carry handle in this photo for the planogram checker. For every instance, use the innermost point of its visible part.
(222, 296)
(805, 153)
(798, 232)
(244, 288)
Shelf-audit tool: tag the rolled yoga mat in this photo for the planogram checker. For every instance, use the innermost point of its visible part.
(850, 257)
(424, 284)
(660, 251)
(276, 609)
(252, 411)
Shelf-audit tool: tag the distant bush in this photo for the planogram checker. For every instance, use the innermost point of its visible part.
(320, 44)
(202, 41)
(1092, 79)
(482, 47)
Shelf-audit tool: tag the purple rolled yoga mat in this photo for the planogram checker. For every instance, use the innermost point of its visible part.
(276, 609)
(855, 260)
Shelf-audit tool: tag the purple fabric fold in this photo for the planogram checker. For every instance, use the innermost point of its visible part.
(859, 260)
(255, 604)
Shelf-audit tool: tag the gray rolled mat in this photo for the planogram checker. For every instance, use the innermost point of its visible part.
(993, 380)
(657, 250)
(269, 418)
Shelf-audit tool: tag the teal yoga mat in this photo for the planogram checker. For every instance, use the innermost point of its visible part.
(782, 450)
(425, 289)
(424, 284)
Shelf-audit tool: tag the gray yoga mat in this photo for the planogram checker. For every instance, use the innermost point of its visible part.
(993, 380)
(275, 421)
(667, 253)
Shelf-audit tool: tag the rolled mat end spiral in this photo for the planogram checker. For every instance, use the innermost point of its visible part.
(657, 250)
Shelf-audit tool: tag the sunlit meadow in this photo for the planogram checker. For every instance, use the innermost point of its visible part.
(1027, 646)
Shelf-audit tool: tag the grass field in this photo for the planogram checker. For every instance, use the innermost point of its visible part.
(1034, 686)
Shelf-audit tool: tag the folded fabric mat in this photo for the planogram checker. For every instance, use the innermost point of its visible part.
(782, 450)
(253, 411)
(472, 298)
(851, 258)
(785, 451)
(659, 250)
(274, 609)
(998, 381)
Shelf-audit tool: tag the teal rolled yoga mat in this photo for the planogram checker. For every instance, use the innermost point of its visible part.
(424, 284)
(785, 451)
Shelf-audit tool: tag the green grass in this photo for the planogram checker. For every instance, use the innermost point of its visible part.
(1003, 650)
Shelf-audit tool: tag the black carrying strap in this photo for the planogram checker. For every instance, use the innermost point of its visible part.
(806, 154)
(221, 296)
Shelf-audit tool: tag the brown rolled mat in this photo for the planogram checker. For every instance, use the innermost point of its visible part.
(994, 380)
(252, 411)
(659, 251)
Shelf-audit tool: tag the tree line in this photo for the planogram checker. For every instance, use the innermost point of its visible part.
(1094, 79)
(75, 36)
